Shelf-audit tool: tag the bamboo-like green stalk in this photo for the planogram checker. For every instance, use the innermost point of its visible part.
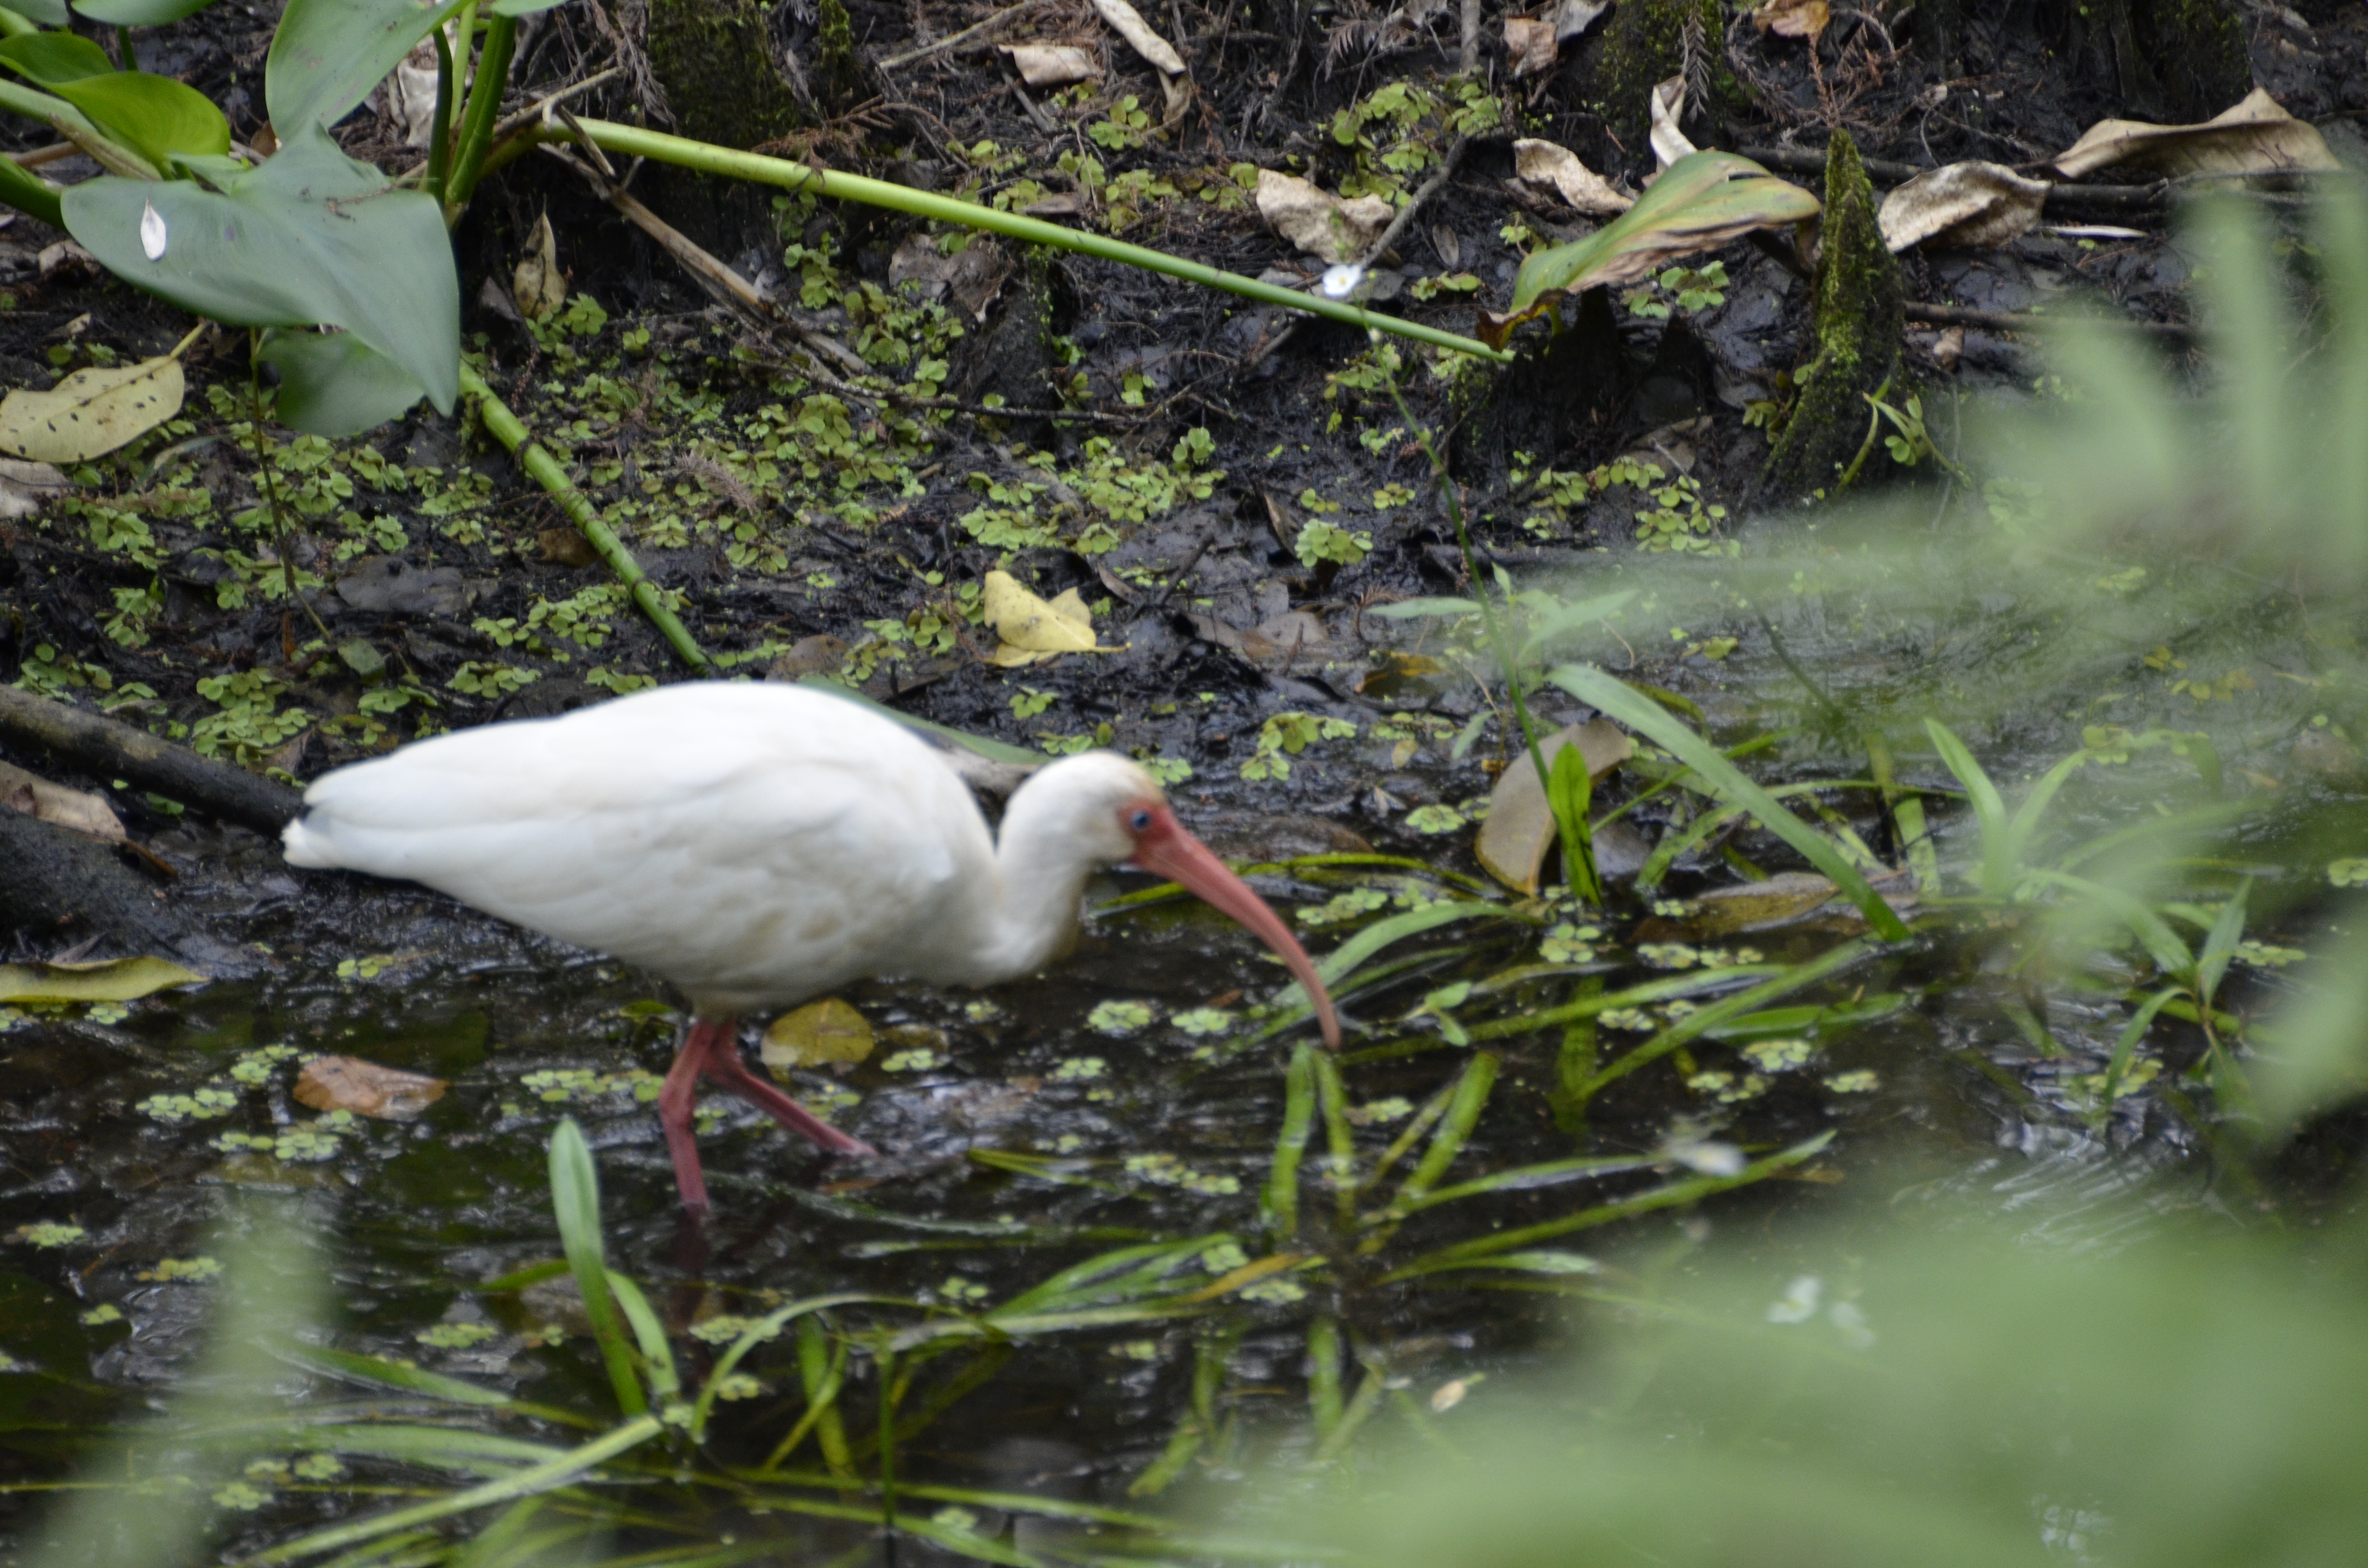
(580, 511)
(477, 120)
(634, 142)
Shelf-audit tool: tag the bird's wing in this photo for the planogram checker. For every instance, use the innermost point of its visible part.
(743, 838)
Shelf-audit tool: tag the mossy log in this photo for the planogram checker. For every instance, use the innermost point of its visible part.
(1646, 43)
(1857, 329)
(714, 60)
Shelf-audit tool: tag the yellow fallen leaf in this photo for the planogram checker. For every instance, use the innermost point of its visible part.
(349, 1083)
(1520, 828)
(114, 979)
(2257, 137)
(1030, 630)
(819, 1032)
(90, 413)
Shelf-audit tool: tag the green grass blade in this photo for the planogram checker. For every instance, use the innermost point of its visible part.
(526, 1483)
(1382, 934)
(575, 1198)
(2025, 822)
(2221, 942)
(1702, 1020)
(1332, 1096)
(1990, 810)
(1279, 1205)
(1613, 698)
(1463, 1110)
(2169, 952)
(1522, 1178)
(658, 1356)
(1323, 1375)
(392, 1374)
(437, 1448)
(2126, 1046)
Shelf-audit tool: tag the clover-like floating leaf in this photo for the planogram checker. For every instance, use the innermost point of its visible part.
(50, 60)
(91, 412)
(154, 116)
(138, 13)
(328, 54)
(310, 238)
(333, 384)
(1699, 203)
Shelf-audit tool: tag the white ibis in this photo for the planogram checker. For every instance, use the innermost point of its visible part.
(759, 845)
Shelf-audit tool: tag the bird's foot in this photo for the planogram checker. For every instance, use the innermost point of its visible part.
(726, 1067)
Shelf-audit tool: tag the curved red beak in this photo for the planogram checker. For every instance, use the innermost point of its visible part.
(1165, 849)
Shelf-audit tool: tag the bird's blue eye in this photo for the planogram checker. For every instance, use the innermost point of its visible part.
(1139, 820)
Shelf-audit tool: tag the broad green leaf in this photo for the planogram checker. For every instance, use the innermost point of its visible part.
(92, 412)
(22, 188)
(312, 237)
(1407, 609)
(1279, 1205)
(2220, 943)
(576, 1202)
(49, 12)
(115, 980)
(1616, 701)
(52, 60)
(150, 115)
(1699, 203)
(138, 13)
(328, 54)
(331, 383)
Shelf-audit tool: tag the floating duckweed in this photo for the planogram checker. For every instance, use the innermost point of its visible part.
(911, 1061)
(1567, 943)
(959, 1290)
(240, 1495)
(369, 967)
(826, 1098)
(1078, 1069)
(725, 1327)
(1861, 1082)
(1381, 1113)
(1634, 1018)
(1067, 1143)
(108, 1012)
(1725, 1088)
(318, 1467)
(2139, 1075)
(1422, 819)
(455, 1336)
(12, 1019)
(962, 1521)
(981, 1011)
(1720, 958)
(254, 1067)
(574, 1085)
(1166, 1170)
(47, 1234)
(105, 1313)
(1118, 1017)
(191, 1269)
(1669, 908)
(1137, 1350)
(1669, 955)
(2348, 872)
(1280, 1291)
(297, 1145)
(1778, 1055)
(1203, 1020)
(737, 1385)
(1224, 1257)
(206, 1104)
(2262, 955)
(1346, 906)
(1673, 1011)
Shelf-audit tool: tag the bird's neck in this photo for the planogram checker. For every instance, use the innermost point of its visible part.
(1040, 879)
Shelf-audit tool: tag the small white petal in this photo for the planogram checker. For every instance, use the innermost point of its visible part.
(151, 231)
(1339, 282)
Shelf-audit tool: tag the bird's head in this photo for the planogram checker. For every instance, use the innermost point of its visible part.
(1120, 814)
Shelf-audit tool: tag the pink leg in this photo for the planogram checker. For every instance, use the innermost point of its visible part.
(677, 1100)
(724, 1065)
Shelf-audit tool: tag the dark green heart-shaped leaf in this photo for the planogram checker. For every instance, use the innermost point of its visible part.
(312, 237)
(328, 54)
(154, 116)
(333, 384)
(138, 13)
(1699, 203)
(23, 189)
(49, 12)
(51, 60)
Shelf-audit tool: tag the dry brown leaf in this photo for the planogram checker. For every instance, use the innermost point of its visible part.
(816, 1035)
(1558, 169)
(349, 1083)
(565, 547)
(27, 487)
(412, 95)
(65, 253)
(1030, 630)
(1573, 17)
(540, 287)
(2257, 137)
(1318, 222)
(1669, 143)
(1789, 899)
(972, 275)
(1053, 64)
(1529, 45)
(1520, 826)
(1129, 25)
(75, 809)
(1791, 18)
(90, 413)
(1972, 205)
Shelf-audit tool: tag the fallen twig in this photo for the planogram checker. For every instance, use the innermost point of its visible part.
(910, 55)
(547, 472)
(2009, 320)
(109, 748)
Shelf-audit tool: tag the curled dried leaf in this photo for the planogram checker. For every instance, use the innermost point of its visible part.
(1318, 222)
(1974, 205)
(1558, 169)
(2257, 137)
(364, 1088)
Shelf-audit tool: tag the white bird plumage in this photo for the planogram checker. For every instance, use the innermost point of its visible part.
(758, 845)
